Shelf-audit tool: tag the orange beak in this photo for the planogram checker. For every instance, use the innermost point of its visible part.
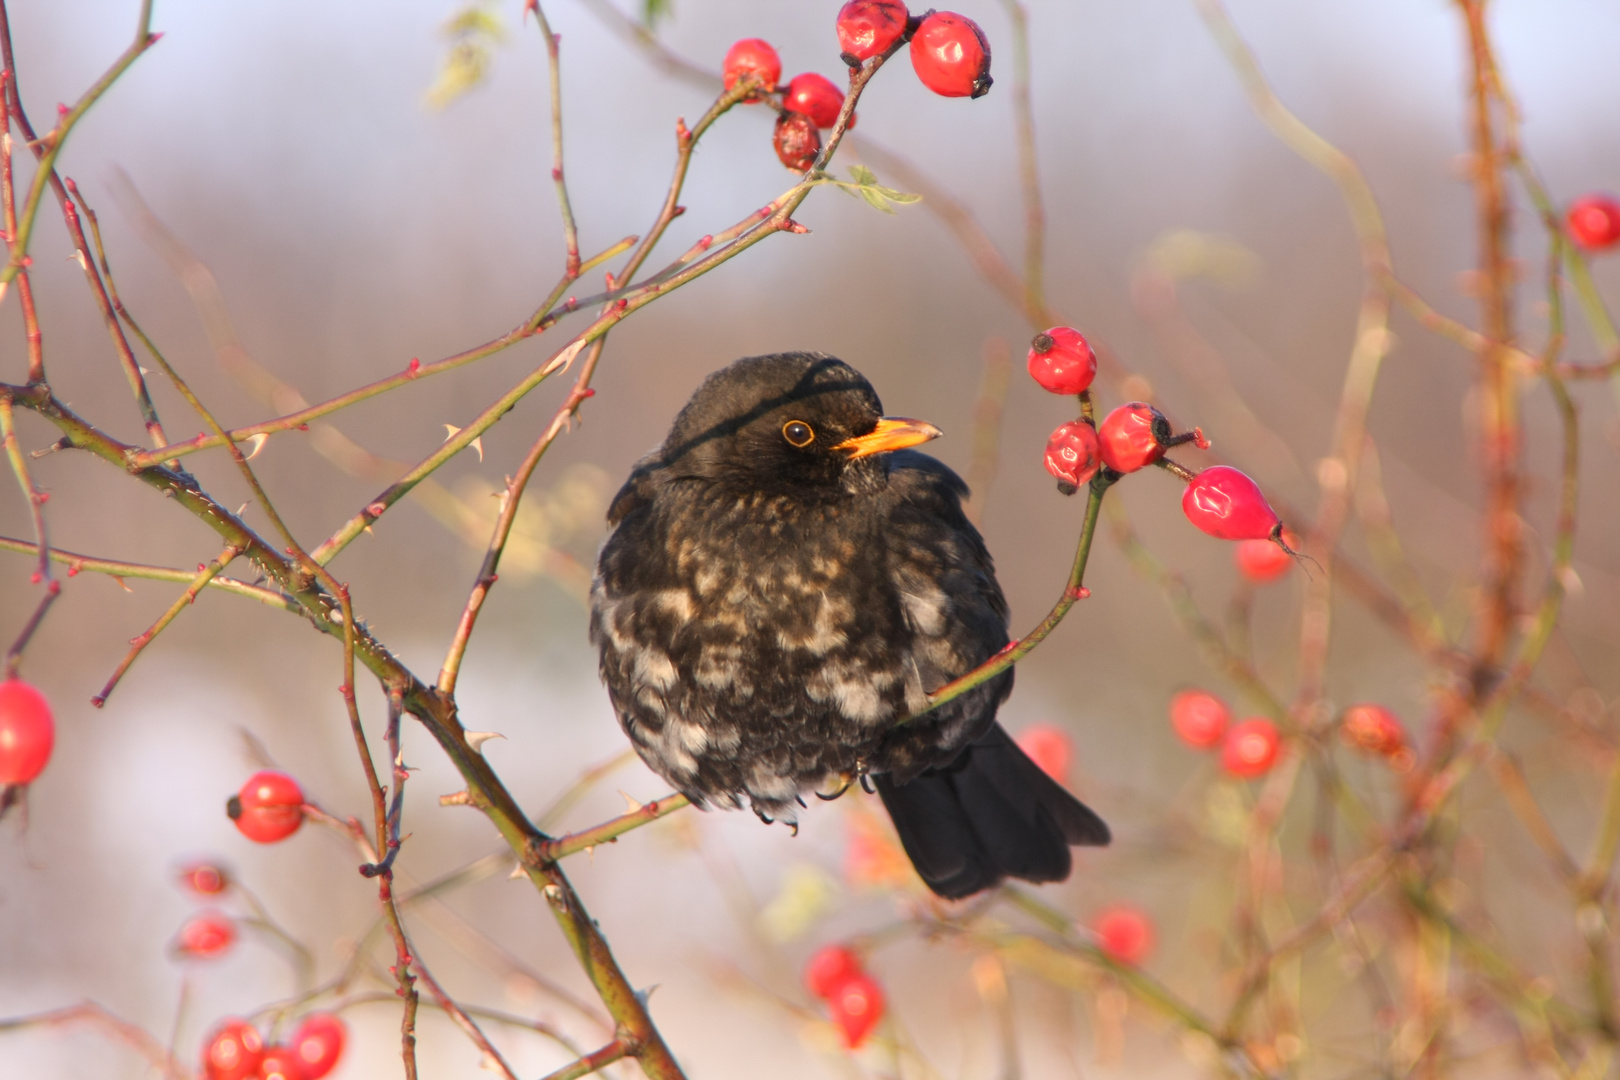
(891, 433)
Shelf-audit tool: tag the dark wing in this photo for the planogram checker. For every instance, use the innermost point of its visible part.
(951, 603)
(970, 807)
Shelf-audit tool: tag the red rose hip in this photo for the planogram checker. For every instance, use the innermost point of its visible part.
(281, 1063)
(950, 55)
(204, 879)
(269, 807)
(1071, 455)
(1199, 718)
(829, 967)
(1227, 505)
(1263, 561)
(1373, 729)
(816, 97)
(233, 1051)
(751, 56)
(1124, 934)
(1593, 222)
(1061, 360)
(206, 935)
(27, 732)
(318, 1044)
(796, 140)
(1133, 436)
(869, 27)
(857, 1006)
(1251, 748)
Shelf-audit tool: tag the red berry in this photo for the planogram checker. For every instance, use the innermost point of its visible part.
(27, 732)
(830, 966)
(1199, 717)
(1228, 505)
(751, 56)
(1061, 361)
(281, 1063)
(269, 807)
(857, 1006)
(1133, 436)
(797, 141)
(868, 27)
(204, 879)
(1373, 729)
(1071, 455)
(1124, 933)
(951, 56)
(206, 935)
(1263, 560)
(1251, 748)
(318, 1043)
(1594, 222)
(1049, 747)
(816, 97)
(232, 1052)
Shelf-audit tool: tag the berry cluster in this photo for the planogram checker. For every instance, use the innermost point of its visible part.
(1248, 748)
(949, 53)
(1220, 500)
(236, 1051)
(854, 999)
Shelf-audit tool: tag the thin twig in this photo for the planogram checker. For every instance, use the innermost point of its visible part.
(590, 1063)
(609, 831)
(205, 573)
(554, 66)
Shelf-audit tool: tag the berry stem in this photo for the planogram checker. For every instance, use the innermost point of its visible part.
(1072, 591)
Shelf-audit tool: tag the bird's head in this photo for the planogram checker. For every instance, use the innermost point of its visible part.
(790, 423)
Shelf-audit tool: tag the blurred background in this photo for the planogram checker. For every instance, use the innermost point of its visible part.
(352, 222)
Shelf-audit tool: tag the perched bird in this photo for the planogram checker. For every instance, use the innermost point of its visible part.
(782, 583)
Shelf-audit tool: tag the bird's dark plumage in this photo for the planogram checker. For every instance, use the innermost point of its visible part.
(782, 581)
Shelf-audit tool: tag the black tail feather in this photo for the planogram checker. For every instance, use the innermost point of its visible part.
(991, 814)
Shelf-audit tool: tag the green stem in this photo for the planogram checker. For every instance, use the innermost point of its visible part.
(1020, 648)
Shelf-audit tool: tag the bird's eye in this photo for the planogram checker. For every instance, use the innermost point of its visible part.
(798, 433)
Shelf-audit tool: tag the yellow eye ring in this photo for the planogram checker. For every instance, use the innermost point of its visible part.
(798, 433)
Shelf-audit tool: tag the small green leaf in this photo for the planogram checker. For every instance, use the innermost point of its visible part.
(862, 175)
(904, 198)
(655, 11)
(876, 200)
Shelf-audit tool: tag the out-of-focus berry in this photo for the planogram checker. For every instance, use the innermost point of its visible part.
(1124, 933)
(1594, 222)
(1199, 717)
(1251, 748)
(27, 732)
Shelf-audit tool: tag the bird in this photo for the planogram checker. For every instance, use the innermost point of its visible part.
(783, 582)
